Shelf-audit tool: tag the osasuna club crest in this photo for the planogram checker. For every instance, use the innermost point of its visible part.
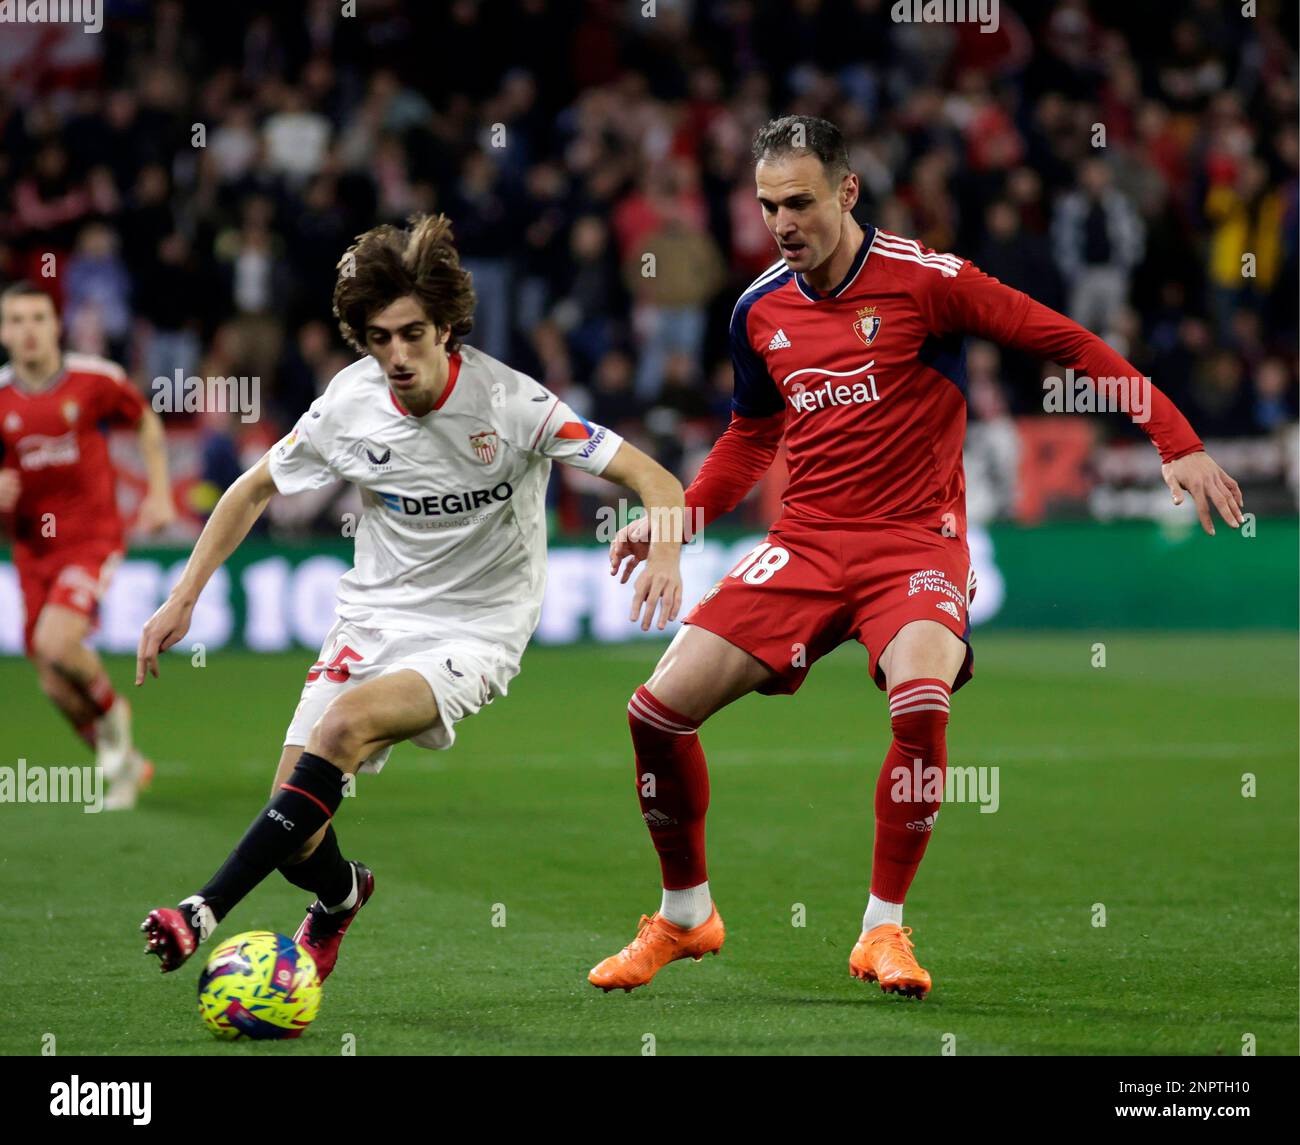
(70, 411)
(484, 443)
(868, 325)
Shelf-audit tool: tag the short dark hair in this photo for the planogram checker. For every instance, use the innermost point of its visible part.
(25, 288)
(387, 263)
(804, 135)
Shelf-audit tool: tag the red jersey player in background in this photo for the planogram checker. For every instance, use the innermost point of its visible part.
(58, 502)
(850, 347)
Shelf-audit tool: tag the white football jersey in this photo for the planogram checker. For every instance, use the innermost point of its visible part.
(452, 539)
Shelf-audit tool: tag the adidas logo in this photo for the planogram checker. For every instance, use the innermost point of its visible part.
(926, 824)
(657, 819)
(950, 608)
(779, 341)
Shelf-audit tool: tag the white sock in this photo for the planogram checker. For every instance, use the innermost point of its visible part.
(349, 902)
(688, 908)
(879, 911)
(200, 916)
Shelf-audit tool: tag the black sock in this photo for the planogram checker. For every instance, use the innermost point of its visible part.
(302, 805)
(325, 872)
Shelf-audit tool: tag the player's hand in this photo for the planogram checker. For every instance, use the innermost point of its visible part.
(10, 486)
(163, 629)
(632, 544)
(1199, 475)
(156, 512)
(660, 583)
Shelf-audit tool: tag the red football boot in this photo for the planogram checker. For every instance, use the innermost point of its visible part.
(322, 933)
(170, 936)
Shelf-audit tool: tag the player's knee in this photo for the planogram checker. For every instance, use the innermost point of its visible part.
(672, 690)
(52, 650)
(340, 733)
(649, 715)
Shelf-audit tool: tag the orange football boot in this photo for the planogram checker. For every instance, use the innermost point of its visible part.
(884, 954)
(657, 943)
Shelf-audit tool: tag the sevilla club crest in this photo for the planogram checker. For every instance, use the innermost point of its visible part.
(868, 325)
(484, 444)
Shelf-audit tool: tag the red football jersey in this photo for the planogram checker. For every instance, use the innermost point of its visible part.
(871, 381)
(55, 438)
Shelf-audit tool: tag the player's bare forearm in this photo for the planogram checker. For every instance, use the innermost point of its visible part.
(153, 449)
(234, 515)
(655, 539)
(10, 488)
(157, 509)
(665, 505)
(660, 492)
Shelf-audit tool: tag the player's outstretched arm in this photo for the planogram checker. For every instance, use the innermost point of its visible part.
(157, 509)
(974, 303)
(10, 486)
(234, 515)
(655, 538)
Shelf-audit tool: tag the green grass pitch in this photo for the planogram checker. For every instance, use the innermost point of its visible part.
(1119, 786)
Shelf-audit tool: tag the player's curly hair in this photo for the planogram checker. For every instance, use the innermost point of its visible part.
(804, 135)
(387, 263)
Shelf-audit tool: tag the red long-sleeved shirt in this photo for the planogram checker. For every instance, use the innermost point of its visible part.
(867, 384)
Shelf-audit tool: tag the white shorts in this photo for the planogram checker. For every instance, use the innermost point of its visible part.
(464, 674)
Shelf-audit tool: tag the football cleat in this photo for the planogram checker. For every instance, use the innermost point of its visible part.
(134, 777)
(322, 933)
(170, 936)
(657, 943)
(113, 739)
(884, 954)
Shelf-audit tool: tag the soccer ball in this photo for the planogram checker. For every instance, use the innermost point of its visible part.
(259, 985)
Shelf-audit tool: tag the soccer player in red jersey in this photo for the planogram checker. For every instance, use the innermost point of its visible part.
(57, 499)
(849, 347)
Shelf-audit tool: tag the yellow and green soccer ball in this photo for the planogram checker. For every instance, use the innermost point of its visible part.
(259, 985)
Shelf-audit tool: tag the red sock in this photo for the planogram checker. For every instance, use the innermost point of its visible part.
(87, 732)
(672, 783)
(908, 794)
(100, 692)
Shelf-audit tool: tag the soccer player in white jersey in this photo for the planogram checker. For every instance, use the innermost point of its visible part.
(451, 451)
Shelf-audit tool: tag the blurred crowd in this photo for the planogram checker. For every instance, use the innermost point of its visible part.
(198, 170)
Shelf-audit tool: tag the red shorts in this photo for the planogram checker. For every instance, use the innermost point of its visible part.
(74, 578)
(806, 590)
